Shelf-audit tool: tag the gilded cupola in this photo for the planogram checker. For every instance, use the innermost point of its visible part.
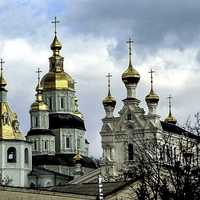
(152, 97)
(130, 75)
(9, 124)
(170, 118)
(39, 104)
(56, 78)
(109, 100)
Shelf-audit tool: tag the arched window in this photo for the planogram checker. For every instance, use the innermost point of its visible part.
(26, 156)
(62, 102)
(11, 155)
(35, 145)
(36, 121)
(130, 151)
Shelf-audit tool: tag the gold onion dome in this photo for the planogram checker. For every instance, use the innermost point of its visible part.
(109, 101)
(130, 75)
(39, 104)
(170, 119)
(152, 97)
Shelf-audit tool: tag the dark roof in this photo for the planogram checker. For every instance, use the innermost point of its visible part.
(37, 171)
(178, 130)
(40, 132)
(65, 120)
(86, 141)
(90, 189)
(62, 159)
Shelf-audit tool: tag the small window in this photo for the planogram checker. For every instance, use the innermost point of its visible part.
(36, 121)
(67, 142)
(26, 156)
(35, 145)
(130, 151)
(62, 102)
(50, 103)
(11, 155)
(46, 145)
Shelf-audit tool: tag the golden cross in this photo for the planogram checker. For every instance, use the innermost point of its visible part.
(151, 72)
(55, 22)
(170, 103)
(39, 72)
(2, 62)
(108, 76)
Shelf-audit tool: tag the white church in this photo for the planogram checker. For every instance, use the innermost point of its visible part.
(55, 150)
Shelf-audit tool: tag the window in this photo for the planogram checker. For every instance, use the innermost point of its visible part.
(62, 103)
(50, 103)
(129, 116)
(130, 151)
(35, 145)
(36, 121)
(26, 156)
(11, 155)
(67, 142)
(46, 145)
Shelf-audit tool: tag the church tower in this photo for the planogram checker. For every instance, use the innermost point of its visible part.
(65, 120)
(15, 151)
(43, 139)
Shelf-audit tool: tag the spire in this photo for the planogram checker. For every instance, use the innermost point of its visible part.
(39, 104)
(170, 119)
(109, 102)
(130, 76)
(152, 97)
(2, 80)
(56, 45)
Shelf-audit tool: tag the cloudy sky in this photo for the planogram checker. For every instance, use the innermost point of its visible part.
(93, 35)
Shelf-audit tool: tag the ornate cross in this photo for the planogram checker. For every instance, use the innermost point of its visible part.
(108, 76)
(38, 72)
(130, 42)
(55, 22)
(151, 72)
(2, 62)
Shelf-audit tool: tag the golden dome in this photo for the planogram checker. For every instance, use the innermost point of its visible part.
(39, 104)
(57, 81)
(170, 119)
(130, 75)
(109, 101)
(152, 97)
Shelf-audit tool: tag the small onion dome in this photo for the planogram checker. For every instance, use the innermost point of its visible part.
(56, 45)
(39, 104)
(77, 157)
(130, 75)
(109, 101)
(170, 119)
(152, 97)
